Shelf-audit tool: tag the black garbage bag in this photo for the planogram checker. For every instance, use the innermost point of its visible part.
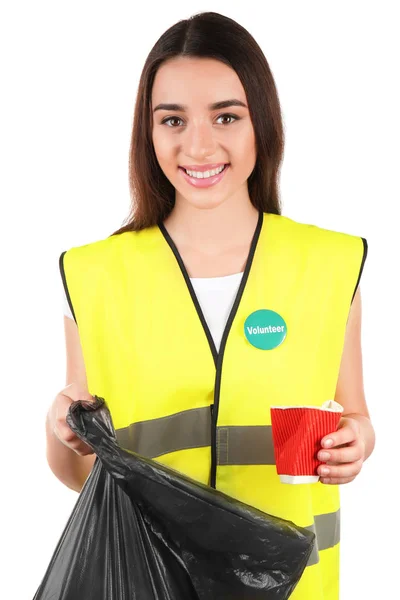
(142, 531)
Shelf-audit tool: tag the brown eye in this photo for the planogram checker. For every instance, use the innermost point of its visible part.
(229, 116)
(170, 119)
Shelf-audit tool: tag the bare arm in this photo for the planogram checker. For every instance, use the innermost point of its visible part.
(347, 449)
(71, 464)
(350, 386)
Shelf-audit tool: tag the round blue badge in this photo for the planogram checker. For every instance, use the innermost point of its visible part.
(265, 329)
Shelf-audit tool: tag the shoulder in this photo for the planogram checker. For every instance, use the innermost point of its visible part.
(95, 252)
(319, 238)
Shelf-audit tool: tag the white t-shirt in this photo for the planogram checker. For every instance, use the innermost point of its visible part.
(216, 296)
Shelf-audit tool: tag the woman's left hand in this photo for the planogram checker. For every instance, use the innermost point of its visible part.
(345, 454)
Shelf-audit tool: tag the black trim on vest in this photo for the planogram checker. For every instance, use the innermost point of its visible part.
(185, 274)
(361, 266)
(64, 280)
(224, 338)
(218, 356)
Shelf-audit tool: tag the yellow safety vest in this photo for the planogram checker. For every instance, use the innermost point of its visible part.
(149, 352)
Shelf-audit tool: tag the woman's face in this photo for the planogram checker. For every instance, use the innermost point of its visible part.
(200, 136)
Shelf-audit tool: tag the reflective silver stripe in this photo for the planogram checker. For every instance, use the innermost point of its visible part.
(236, 445)
(245, 445)
(327, 530)
(180, 431)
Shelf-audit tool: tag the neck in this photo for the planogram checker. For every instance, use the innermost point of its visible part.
(214, 229)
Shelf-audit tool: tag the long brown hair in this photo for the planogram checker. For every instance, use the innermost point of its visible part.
(205, 35)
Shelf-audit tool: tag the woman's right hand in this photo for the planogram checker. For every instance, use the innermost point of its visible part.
(59, 409)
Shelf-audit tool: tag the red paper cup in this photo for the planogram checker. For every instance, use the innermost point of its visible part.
(297, 432)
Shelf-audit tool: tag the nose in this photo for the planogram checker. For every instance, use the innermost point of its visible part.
(199, 141)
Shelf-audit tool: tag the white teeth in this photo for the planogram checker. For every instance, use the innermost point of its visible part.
(205, 174)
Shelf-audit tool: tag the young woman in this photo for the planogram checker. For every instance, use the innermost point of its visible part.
(159, 312)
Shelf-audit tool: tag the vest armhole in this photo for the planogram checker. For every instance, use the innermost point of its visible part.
(64, 280)
(363, 259)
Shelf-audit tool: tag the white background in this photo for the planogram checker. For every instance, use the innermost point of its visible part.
(69, 75)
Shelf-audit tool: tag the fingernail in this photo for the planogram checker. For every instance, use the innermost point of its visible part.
(324, 471)
(324, 456)
(328, 443)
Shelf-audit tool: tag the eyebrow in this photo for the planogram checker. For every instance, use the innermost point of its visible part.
(213, 106)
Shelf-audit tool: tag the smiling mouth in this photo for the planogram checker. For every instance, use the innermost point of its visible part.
(205, 180)
(204, 174)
